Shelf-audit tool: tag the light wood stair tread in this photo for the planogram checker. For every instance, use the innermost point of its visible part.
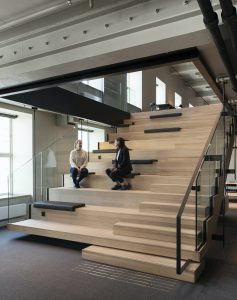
(159, 260)
(117, 191)
(154, 228)
(152, 264)
(85, 234)
(132, 211)
(171, 204)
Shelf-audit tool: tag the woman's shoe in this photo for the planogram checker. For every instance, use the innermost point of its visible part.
(116, 187)
(124, 187)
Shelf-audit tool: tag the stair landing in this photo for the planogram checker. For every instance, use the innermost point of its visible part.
(151, 264)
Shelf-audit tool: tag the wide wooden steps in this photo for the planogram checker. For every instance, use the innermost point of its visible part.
(103, 237)
(105, 217)
(160, 233)
(105, 197)
(202, 210)
(136, 228)
(102, 181)
(172, 135)
(142, 262)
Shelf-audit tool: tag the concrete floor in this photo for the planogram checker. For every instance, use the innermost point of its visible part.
(39, 268)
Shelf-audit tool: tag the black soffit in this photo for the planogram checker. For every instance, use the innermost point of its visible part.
(62, 101)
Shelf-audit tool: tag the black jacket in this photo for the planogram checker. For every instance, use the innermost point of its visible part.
(123, 161)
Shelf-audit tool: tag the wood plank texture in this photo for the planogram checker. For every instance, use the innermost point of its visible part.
(144, 217)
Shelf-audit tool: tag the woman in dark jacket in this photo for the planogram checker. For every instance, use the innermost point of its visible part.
(122, 166)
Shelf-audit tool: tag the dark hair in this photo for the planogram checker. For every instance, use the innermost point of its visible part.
(121, 141)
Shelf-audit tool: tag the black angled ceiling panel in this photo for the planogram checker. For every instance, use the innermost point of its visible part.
(62, 101)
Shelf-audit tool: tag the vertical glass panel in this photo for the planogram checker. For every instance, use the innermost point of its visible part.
(5, 135)
(95, 83)
(178, 100)
(90, 137)
(160, 91)
(134, 88)
(4, 173)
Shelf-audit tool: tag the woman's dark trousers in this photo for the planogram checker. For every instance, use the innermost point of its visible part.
(77, 176)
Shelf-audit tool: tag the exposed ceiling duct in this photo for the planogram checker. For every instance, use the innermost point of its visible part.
(229, 18)
(211, 21)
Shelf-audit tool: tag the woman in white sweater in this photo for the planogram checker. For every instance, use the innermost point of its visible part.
(78, 162)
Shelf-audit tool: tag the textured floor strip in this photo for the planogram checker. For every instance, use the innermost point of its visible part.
(125, 275)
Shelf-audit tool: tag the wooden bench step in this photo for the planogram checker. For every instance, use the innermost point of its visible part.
(151, 264)
(107, 197)
(202, 210)
(102, 237)
(58, 205)
(160, 233)
(168, 187)
(105, 217)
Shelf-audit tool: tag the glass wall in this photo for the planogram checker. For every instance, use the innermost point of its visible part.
(177, 84)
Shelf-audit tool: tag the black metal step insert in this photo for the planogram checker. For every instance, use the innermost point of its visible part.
(105, 151)
(140, 161)
(156, 130)
(124, 125)
(57, 205)
(166, 116)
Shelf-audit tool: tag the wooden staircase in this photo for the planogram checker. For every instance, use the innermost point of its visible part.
(136, 229)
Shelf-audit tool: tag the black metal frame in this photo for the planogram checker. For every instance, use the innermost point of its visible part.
(179, 268)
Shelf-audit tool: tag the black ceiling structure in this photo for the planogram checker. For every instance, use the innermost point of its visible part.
(46, 94)
(59, 100)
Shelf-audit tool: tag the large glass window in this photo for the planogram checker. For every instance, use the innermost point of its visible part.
(90, 137)
(160, 91)
(4, 172)
(5, 135)
(134, 88)
(5, 156)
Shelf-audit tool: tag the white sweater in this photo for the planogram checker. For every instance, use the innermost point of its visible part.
(78, 158)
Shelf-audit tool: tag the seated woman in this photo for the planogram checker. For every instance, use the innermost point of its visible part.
(78, 162)
(122, 166)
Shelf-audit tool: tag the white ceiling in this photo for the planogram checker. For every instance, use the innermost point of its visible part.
(22, 23)
(13, 11)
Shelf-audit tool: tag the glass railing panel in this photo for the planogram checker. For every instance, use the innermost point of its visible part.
(52, 163)
(206, 181)
(122, 91)
(204, 188)
(16, 204)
